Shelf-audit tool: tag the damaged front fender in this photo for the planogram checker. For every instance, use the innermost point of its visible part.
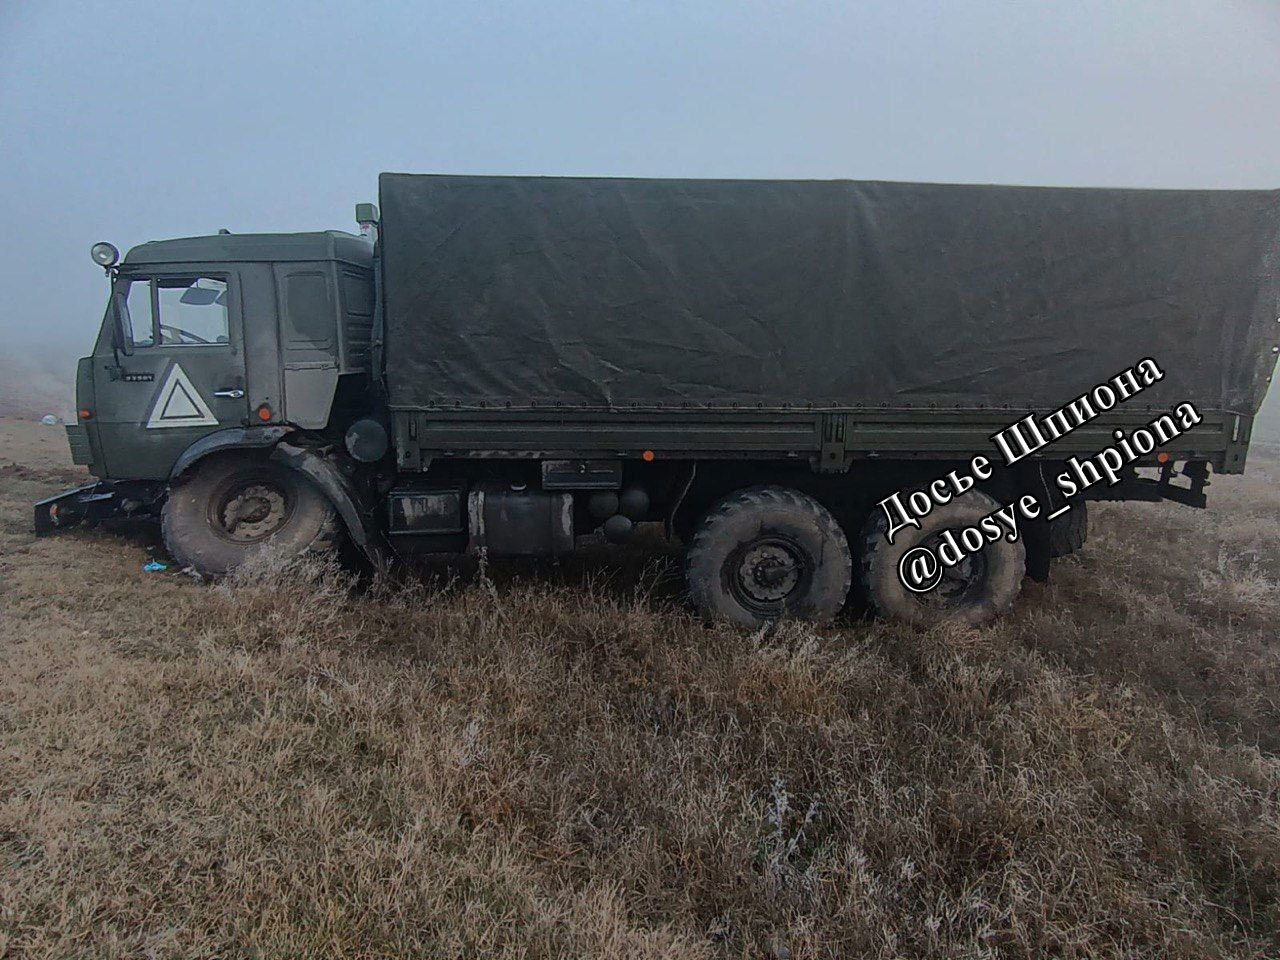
(362, 526)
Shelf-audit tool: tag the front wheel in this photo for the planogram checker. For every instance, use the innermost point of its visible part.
(234, 506)
(768, 552)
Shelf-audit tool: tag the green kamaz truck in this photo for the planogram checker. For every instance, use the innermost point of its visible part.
(903, 391)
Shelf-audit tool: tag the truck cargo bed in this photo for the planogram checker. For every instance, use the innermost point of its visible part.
(723, 317)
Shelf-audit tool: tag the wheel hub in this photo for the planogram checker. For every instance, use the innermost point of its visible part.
(769, 572)
(253, 512)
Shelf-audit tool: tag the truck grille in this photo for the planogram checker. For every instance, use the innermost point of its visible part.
(78, 440)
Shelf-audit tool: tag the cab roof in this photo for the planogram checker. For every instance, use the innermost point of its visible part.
(255, 247)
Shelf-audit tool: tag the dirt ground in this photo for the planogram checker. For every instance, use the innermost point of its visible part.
(562, 761)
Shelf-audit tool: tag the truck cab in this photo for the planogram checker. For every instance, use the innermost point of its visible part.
(203, 335)
(211, 351)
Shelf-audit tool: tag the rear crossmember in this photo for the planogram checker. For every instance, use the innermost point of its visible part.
(1133, 487)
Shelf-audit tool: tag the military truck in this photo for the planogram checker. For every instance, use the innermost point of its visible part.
(501, 366)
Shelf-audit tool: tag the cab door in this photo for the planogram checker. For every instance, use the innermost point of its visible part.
(180, 375)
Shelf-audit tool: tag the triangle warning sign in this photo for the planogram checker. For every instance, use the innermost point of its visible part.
(179, 404)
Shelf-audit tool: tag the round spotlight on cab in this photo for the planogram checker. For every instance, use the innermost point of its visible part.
(105, 254)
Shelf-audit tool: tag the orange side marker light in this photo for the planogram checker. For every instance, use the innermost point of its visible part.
(647, 456)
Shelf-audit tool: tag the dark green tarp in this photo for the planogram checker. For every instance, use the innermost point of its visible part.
(513, 291)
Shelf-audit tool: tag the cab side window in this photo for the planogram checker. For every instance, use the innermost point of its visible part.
(178, 311)
(307, 314)
(193, 311)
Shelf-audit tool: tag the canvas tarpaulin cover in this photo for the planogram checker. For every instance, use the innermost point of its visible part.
(536, 291)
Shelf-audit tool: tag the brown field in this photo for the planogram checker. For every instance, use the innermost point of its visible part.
(562, 761)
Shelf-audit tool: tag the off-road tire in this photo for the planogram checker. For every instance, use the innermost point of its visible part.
(1004, 566)
(193, 539)
(1068, 533)
(768, 518)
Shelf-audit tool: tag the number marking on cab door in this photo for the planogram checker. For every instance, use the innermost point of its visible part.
(178, 403)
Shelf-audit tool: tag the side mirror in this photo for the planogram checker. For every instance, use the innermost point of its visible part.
(121, 338)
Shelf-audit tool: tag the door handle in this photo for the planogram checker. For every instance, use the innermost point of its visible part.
(233, 394)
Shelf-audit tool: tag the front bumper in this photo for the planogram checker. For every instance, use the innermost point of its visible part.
(104, 500)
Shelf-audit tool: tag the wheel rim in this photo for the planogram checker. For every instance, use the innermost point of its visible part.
(250, 509)
(960, 583)
(768, 575)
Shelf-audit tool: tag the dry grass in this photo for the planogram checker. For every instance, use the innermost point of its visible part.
(563, 762)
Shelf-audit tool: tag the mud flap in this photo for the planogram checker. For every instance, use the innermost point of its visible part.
(1036, 533)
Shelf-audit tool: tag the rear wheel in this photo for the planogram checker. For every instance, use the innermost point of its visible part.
(768, 552)
(235, 506)
(972, 592)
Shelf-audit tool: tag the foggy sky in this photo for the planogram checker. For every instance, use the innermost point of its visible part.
(130, 121)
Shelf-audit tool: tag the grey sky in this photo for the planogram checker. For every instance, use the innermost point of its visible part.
(128, 121)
